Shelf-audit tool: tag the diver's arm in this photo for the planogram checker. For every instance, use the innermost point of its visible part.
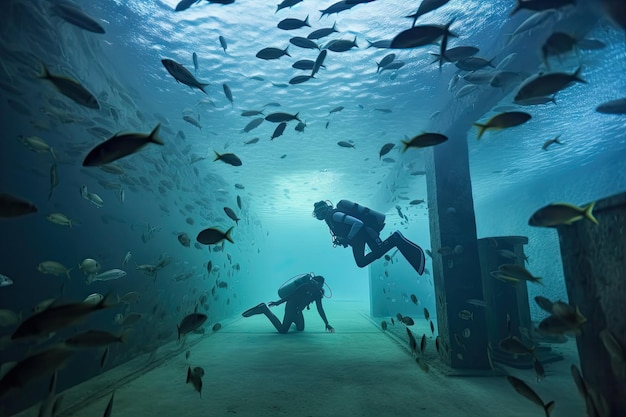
(356, 224)
(277, 303)
(320, 310)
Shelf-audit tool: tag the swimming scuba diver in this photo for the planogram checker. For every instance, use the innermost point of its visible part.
(354, 225)
(298, 294)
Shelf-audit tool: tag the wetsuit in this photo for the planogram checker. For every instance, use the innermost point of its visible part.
(296, 302)
(352, 231)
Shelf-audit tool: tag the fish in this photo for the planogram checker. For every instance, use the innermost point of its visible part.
(466, 315)
(194, 57)
(341, 45)
(248, 113)
(129, 297)
(550, 142)
(386, 148)
(281, 117)
(457, 53)
(540, 372)
(120, 146)
(387, 59)
(423, 344)
(414, 299)
(127, 258)
(192, 121)
(252, 125)
(74, 15)
(323, 32)
(300, 127)
(539, 5)
(291, 24)
(426, 314)
(396, 65)
(34, 367)
(412, 341)
(547, 85)
(184, 5)
(60, 219)
(71, 89)
(216, 327)
(106, 276)
(345, 144)
(557, 44)
(383, 325)
(416, 202)
(228, 158)
(184, 240)
(228, 93)
(427, 6)
(432, 327)
(103, 359)
(424, 140)
(239, 202)
(89, 266)
(94, 338)
(514, 273)
(319, 62)
(513, 345)
(54, 179)
(182, 74)
(522, 388)
(502, 121)
(303, 64)
(408, 321)
(299, 79)
(190, 323)
(109, 409)
(53, 268)
(213, 235)
(272, 53)
(223, 43)
(56, 317)
(303, 42)
(195, 379)
(420, 36)
(557, 214)
(286, 3)
(473, 63)
(231, 213)
(613, 107)
(5, 281)
(279, 130)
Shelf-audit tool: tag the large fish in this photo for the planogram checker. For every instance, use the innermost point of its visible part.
(213, 235)
(73, 14)
(190, 323)
(11, 206)
(182, 74)
(420, 36)
(502, 121)
(71, 88)
(548, 84)
(424, 140)
(120, 146)
(231, 213)
(557, 214)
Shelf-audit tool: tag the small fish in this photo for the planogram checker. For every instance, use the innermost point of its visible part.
(503, 121)
(216, 327)
(544, 303)
(408, 321)
(383, 325)
(182, 74)
(213, 235)
(386, 148)
(557, 214)
(432, 327)
(291, 24)
(190, 323)
(393, 321)
(192, 121)
(424, 140)
(251, 141)
(5, 281)
(239, 202)
(194, 56)
(345, 144)
(280, 129)
(127, 258)
(514, 273)
(522, 388)
(195, 379)
(540, 373)
(184, 239)
(103, 359)
(416, 202)
(426, 314)
(551, 142)
(414, 299)
(272, 53)
(223, 43)
(54, 179)
(120, 146)
(412, 341)
(383, 110)
(466, 315)
(231, 213)
(423, 344)
(476, 302)
(229, 94)
(229, 158)
(187, 354)
(71, 89)
(209, 267)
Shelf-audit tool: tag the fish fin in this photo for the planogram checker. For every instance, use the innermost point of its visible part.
(589, 213)
(577, 75)
(548, 408)
(217, 156)
(406, 145)
(153, 136)
(201, 87)
(518, 6)
(45, 74)
(227, 236)
(481, 129)
(306, 21)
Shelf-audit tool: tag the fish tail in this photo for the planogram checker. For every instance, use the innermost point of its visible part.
(201, 87)
(306, 21)
(518, 5)
(227, 236)
(153, 136)
(285, 51)
(406, 145)
(354, 42)
(481, 129)
(68, 273)
(548, 408)
(556, 140)
(577, 75)
(296, 117)
(217, 156)
(45, 74)
(589, 213)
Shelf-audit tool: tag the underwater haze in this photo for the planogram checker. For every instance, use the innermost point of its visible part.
(143, 212)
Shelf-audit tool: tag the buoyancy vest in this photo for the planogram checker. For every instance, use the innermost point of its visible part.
(292, 285)
(370, 218)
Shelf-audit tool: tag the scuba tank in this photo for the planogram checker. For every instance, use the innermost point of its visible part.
(293, 284)
(370, 218)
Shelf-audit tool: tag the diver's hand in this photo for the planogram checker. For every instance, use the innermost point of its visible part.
(273, 303)
(330, 329)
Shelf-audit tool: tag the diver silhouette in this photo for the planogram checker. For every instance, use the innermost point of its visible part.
(298, 293)
(354, 225)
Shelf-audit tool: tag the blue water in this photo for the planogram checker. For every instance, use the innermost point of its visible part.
(276, 238)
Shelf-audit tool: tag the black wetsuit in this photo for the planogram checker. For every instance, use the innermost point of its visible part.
(296, 302)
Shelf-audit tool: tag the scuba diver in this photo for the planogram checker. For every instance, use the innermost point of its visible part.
(354, 225)
(298, 293)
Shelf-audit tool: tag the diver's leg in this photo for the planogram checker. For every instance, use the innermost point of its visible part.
(299, 321)
(377, 247)
(281, 327)
(358, 250)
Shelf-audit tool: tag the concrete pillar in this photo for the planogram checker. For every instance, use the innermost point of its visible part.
(456, 275)
(594, 265)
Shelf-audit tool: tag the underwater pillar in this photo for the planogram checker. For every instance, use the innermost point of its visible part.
(456, 264)
(594, 266)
